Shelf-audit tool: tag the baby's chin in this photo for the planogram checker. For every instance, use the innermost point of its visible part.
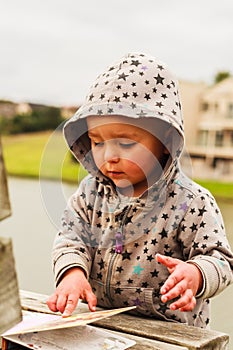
(124, 186)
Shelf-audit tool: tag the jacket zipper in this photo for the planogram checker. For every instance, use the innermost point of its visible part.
(118, 250)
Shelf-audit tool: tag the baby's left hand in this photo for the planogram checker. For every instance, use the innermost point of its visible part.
(184, 281)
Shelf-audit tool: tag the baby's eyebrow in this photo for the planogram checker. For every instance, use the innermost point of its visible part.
(115, 135)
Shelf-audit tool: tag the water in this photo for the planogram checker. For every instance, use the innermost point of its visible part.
(37, 208)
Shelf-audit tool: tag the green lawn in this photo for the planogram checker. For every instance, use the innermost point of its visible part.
(42, 154)
(45, 154)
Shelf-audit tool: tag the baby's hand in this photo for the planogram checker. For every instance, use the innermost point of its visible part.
(73, 286)
(184, 281)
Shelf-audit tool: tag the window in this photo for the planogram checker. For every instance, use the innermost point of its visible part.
(219, 138)
(230, 110)
(231, 138)
(204, 106)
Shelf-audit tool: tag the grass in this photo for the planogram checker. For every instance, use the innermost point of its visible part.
(42, 154)
(221, 190)
(45, 154)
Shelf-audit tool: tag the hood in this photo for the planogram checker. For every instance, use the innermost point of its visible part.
(136, 86)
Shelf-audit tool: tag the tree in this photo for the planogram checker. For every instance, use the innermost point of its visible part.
(221, 76)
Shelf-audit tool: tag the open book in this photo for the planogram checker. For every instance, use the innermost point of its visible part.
(48, 332)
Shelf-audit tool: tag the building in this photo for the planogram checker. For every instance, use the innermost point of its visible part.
(208, 117)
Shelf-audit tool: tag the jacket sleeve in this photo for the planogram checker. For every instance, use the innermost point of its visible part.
(72, 245)
(205, 244)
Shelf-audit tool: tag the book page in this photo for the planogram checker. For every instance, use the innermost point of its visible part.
(37, 322)
(81, 338)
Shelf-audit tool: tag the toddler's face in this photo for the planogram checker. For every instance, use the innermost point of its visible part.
(127, 154)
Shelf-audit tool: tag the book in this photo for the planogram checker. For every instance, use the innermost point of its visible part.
(49, 332)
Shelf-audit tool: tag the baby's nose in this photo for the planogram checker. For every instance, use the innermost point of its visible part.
(111, 153)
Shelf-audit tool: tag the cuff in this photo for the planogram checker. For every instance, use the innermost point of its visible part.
(210, 277)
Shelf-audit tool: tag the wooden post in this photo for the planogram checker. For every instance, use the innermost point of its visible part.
(10, 306)
(5, 208)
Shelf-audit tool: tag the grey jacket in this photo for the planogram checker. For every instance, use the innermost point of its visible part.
(115, 238)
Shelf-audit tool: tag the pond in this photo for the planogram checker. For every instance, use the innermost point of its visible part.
(33, 225)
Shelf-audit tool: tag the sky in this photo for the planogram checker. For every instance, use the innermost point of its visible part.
(52, 50)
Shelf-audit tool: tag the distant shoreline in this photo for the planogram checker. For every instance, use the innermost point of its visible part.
(45, 155)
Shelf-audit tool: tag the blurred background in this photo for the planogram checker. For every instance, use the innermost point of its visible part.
(51, 51)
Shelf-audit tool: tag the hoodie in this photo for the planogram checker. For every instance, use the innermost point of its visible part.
(114, 238)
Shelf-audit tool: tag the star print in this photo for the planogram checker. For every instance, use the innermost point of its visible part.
(183, 206)
(163, 308)
(202, 224)
(133, 105)
(126, 255)
(159, 79)
(99, 276)
(125, 95)
(135, 63)
(137, 302)
(218, 244)
(150, 257)
(138, 290)
(202, 211)
(172, 194)
(147, 97)
(159, 104)
(144, 284)
(165, 216)
(154, 241)
(123, 76)
(193, 227)
(137, 269)
(195, 245)
(154, 273)
(119, 269)
(163, 233)
(117, 99)
(118, 290)
(101, 264)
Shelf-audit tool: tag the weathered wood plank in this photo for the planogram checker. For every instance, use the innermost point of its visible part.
(5, 208)
(170, 333)
(146, 329)
(149, 344)
(10, 308)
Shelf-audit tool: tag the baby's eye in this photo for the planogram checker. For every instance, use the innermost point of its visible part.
(97, 144)
(127, 144)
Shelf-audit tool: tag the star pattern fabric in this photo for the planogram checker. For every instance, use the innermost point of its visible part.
(175, 217)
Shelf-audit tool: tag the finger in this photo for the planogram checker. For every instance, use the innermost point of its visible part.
(190, 306)
(175, 292)
(166, 261)
(71, 304)
(186, 301)
(91, 299)
(52, 302)
(61, 302)
(172, 281)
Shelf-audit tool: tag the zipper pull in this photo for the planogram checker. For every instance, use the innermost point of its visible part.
(119, 243)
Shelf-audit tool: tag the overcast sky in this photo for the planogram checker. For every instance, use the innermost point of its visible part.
(52, 50)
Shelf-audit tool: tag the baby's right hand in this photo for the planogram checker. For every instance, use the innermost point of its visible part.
(73, 286)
